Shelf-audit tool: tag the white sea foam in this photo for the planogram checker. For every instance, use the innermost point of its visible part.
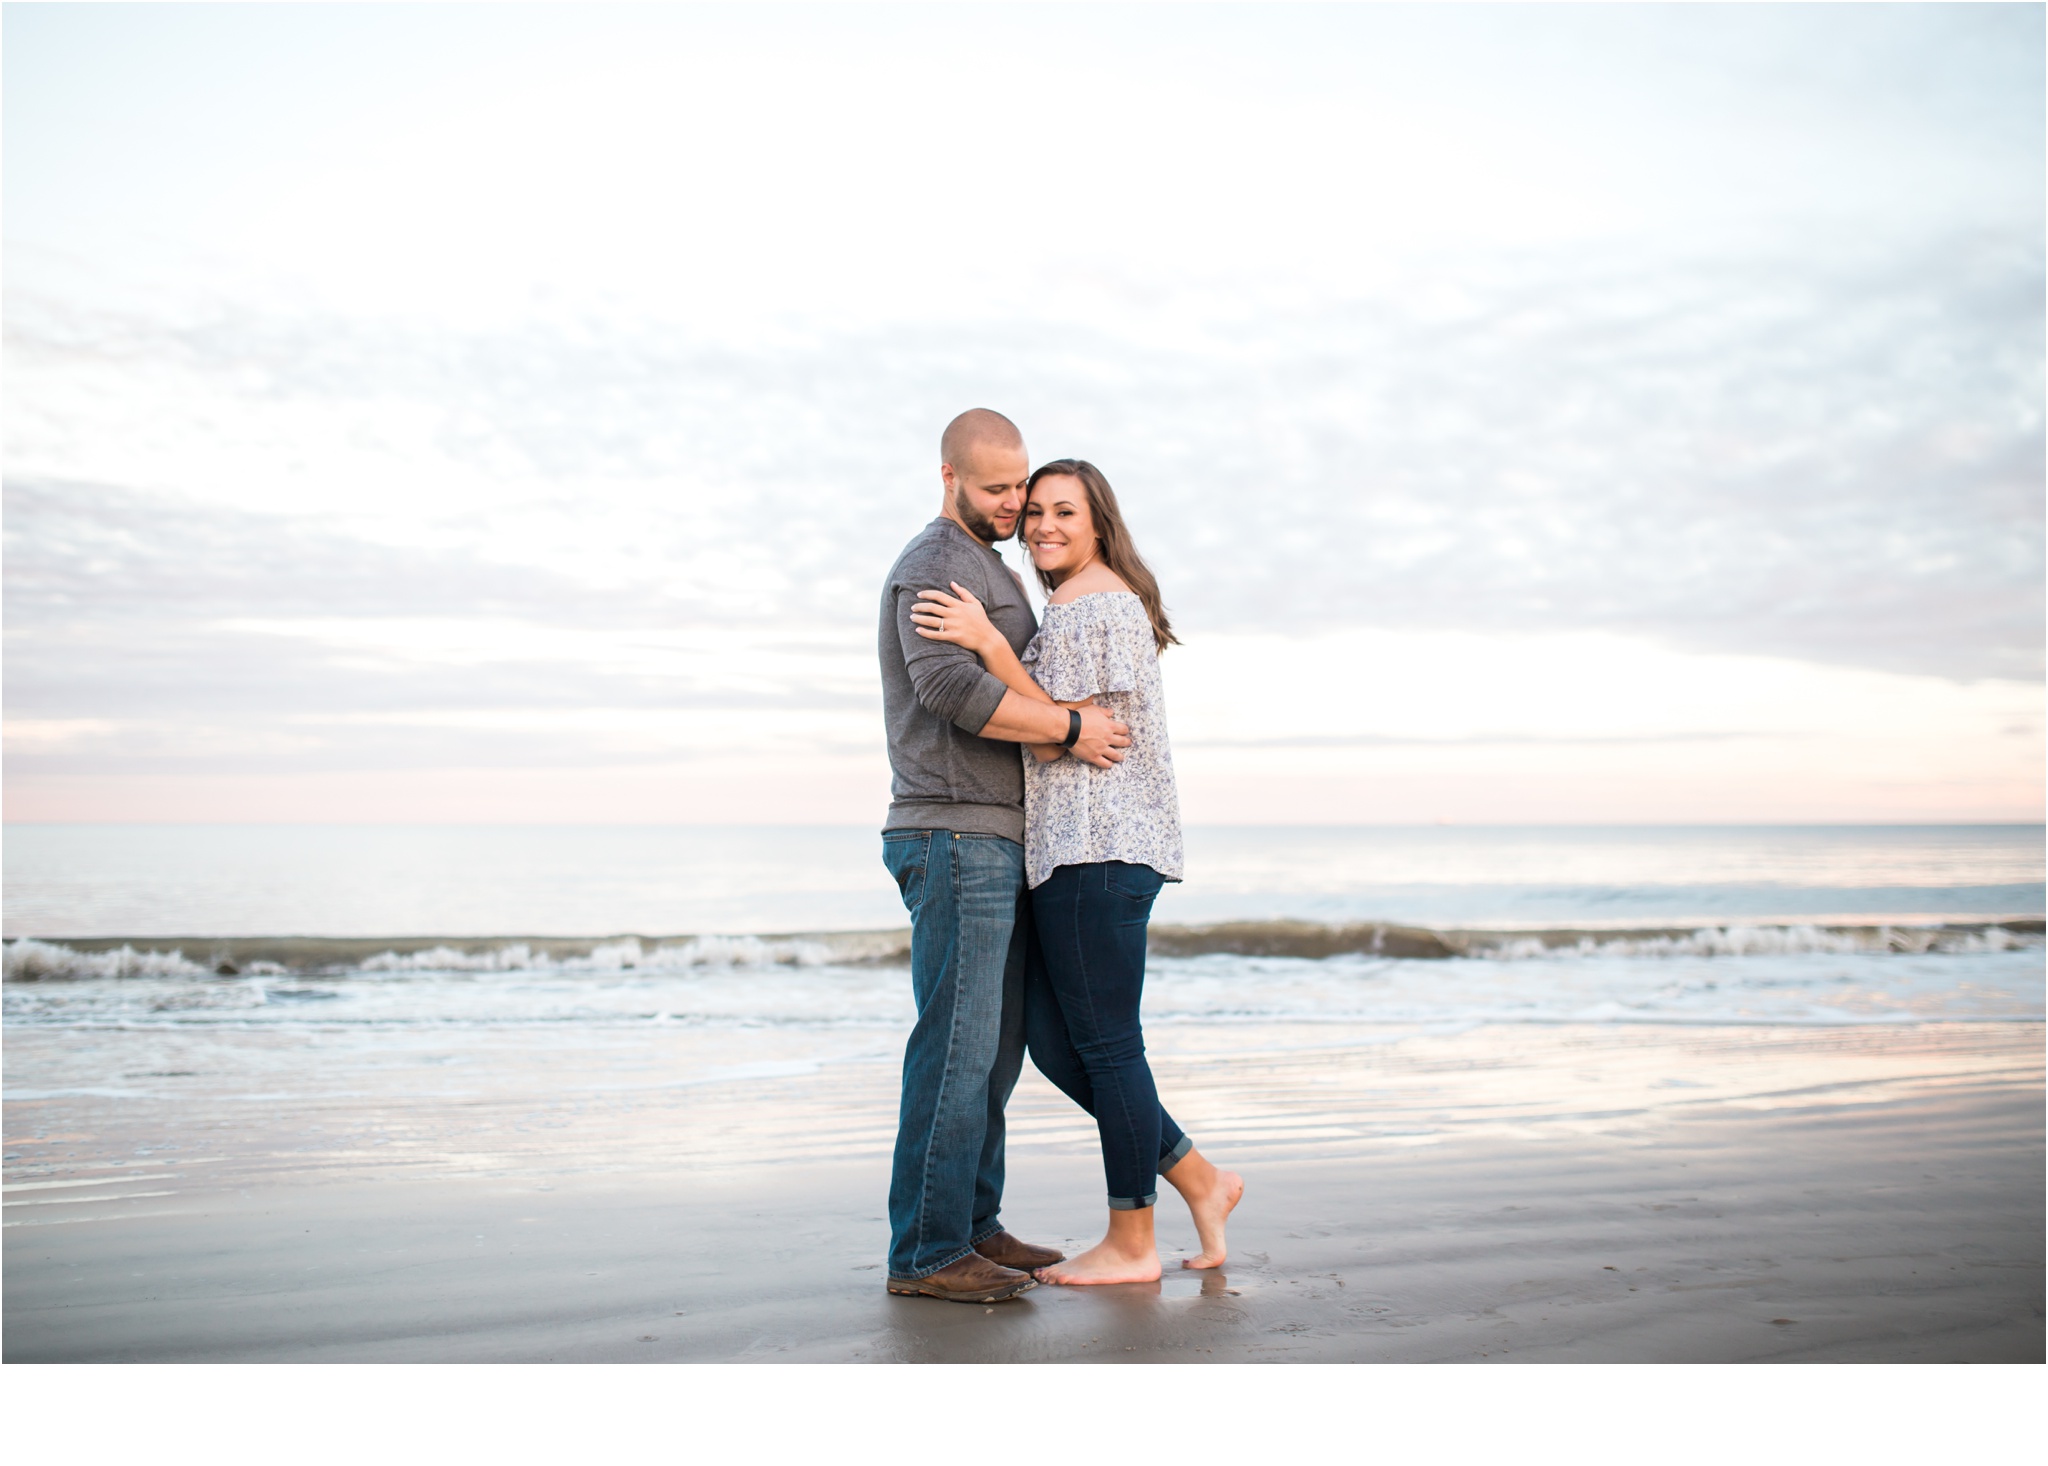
(1770, 989)
(1670, 983)
(624, 956)
(29, 960)
(1752, 941)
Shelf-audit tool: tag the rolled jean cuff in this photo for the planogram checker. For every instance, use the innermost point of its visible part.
(1128, 1203)
(923, 1273)
(1179, 1152)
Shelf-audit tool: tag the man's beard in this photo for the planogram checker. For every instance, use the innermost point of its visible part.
(980, 525)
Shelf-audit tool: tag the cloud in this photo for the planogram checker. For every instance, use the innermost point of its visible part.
(145, 633)
(1839, 460)
(418, 427)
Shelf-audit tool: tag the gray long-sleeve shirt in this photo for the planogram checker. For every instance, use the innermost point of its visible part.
(937, 697)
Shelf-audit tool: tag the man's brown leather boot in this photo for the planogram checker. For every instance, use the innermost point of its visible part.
(973, 1279)
(1007, 1251)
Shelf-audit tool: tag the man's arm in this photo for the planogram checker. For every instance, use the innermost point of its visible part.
(950, 682)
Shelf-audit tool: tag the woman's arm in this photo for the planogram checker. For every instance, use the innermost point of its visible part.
(963, 620)
(1003, 665)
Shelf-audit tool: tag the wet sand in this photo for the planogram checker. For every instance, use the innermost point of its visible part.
(1530, 1193)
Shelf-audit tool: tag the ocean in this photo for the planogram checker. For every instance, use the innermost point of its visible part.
(379, 927)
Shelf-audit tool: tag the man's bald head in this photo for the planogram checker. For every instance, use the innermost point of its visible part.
(975, 431)
(983, 467)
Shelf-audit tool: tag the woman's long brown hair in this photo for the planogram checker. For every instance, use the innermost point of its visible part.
(1118, 553)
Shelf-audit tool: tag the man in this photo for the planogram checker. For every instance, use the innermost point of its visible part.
(954, 841)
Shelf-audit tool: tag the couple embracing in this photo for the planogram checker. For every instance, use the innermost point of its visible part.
(1034, 820)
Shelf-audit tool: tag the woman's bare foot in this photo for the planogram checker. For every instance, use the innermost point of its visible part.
(1210, 1208)
(1104, 1263)
(1126, 1254)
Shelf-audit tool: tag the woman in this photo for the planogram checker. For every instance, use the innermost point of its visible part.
(1098, 845)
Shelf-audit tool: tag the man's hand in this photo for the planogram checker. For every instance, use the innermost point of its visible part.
(1103, 739)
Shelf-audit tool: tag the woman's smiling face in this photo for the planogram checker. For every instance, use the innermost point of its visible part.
(1058, 529)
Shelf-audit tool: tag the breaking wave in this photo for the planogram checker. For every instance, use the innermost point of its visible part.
(625, 956)
(1315, 940)
(1771, 941)
(1714, 975)
(28, 959)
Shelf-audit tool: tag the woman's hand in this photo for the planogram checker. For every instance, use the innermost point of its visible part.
(958, 618)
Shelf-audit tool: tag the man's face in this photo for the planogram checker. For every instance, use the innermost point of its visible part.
(987, 490)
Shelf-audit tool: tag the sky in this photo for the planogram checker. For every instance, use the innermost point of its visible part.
(1533, 414)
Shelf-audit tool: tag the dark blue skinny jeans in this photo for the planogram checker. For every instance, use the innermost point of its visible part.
(1084, 981)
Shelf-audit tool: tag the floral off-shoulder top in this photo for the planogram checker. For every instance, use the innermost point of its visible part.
(1101, 646)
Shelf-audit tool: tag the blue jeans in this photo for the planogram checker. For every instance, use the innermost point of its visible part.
(1086, 981)
(965, 894)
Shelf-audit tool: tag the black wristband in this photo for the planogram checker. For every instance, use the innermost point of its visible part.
(1073, 729)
